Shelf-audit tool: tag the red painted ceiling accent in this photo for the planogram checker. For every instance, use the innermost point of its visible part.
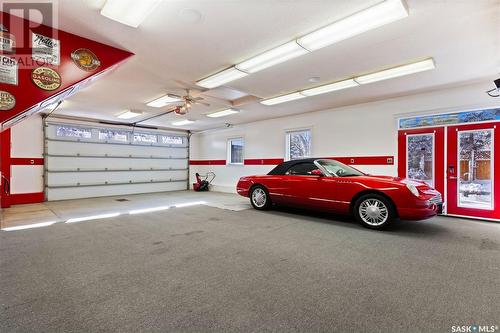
(29, 97)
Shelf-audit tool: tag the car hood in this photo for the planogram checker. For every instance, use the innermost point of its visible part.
(393, 180)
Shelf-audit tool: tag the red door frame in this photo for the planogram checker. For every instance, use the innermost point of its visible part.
(452, 157)
(438, 154)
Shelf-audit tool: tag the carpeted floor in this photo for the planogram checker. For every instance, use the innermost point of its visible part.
(204, 269)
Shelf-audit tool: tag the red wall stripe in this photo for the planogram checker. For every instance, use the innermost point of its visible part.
(263, 161)
(354, 160)
(26, 198)
(4, 166)
(207, 162)
(26, 161)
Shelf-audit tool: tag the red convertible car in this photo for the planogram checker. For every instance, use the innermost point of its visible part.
(327, 184)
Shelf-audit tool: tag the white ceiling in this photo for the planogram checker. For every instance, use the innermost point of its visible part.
(463, 37)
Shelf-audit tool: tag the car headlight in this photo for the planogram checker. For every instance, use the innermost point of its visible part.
(413, 189)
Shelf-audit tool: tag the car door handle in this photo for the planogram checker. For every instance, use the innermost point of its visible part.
(452, 177)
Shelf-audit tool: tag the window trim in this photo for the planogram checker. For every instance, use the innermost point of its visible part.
(287, 141)
(228, 151)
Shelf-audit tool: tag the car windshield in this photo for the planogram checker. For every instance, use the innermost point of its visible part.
(338, 169)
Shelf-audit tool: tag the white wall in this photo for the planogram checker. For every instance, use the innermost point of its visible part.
(361, 130)
(27, 142)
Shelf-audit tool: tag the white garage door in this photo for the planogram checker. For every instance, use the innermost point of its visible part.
(88, 161)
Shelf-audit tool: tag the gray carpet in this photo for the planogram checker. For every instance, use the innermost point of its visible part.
(202, 269)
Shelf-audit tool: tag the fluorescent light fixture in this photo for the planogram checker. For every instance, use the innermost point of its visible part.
(129, 12)
(222, 113)
(272, 57)
(164, 100)
(390, 73)
(220, 78)
(371, 18)
(182, 122)
(326, 88)
(188, 204)
(282, 99)
(148, 210)
(93, 217)
(129, 114)
(29, 226)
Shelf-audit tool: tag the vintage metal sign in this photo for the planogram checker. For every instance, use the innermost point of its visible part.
(45, 49)
(7, 100)
(46, 78)
(85, 59)
(8, 70)
(7, 40)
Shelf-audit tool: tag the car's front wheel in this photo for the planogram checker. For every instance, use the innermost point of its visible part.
(259, 197)
(374, 211)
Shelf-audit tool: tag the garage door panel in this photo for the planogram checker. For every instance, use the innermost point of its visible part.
(80, 165)
(100, 149)
(69, 178)
(73, 163)
(111, 190)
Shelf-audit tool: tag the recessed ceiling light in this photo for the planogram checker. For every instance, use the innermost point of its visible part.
(371, 18)
(314, 79)
(182, 122)
(390, 73)
(129, 114)
(282, 99)
(220, 78)
(330, 87)
(222, 113)
(129, 12)
(189, 15)
(164, 100)
(272, 57)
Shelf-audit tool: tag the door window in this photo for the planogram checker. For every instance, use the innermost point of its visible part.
(420, 158)
(475, 177)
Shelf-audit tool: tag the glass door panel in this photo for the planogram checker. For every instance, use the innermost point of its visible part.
(420, 157)
(475, 169)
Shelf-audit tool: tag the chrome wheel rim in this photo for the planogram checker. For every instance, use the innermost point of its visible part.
(259, 197)
(373, 212)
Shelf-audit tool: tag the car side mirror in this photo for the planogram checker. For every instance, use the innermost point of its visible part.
(317, 172)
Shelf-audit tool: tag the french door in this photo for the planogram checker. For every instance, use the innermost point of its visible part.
(472, 168)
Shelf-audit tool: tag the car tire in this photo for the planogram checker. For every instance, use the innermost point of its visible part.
(259, 198)
(374, 211)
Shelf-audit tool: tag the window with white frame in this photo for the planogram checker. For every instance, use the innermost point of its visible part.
(75, 132)
(235, 151)
(171, 140)
(145, 138)
(298, 144)
(121, 136)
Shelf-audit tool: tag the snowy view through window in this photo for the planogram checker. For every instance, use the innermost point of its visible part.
(475, 169)
(420, 158)
(299, 144)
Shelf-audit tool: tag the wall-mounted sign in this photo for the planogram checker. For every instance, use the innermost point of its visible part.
(8, 70)
(45, 49)
(7, 40)
(46, 78)
(85, 59)
(450, 118)
(7, 100)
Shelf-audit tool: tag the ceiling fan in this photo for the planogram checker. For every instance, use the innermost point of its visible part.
(187, 101)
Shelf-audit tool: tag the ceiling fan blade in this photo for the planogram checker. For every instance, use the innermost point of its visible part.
(202, 103)
(198, 98)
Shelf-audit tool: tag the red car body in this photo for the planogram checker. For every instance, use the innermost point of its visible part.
(340, 193)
